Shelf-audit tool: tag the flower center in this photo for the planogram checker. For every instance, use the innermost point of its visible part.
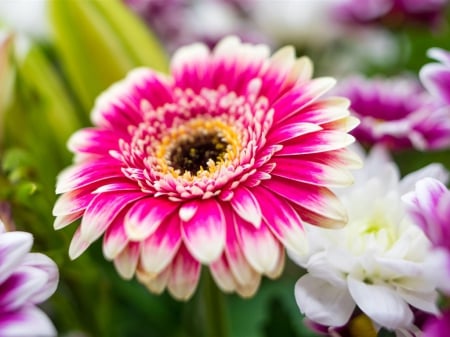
(193, 154)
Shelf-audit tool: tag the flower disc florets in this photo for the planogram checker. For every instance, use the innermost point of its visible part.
(217, 164)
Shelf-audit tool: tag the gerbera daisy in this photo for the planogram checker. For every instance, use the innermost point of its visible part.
(217, 164)
(26, 279)
(397, 113)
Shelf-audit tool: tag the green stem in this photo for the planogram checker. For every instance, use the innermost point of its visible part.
(215, 316)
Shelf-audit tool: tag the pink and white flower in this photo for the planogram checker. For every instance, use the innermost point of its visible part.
(381, 262)
(26, 279)
(436, 76)
(397, 113)
(218, 164)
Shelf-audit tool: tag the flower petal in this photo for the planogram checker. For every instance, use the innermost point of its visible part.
(283, 220)
(323, 303)
(259, 246)
(221, 272)
(126, 262)
(14, 246)
(27, 322)
(381, 303)
(204, 234)
(158, 250)
(246, 205)
(115, 238)
(146, 215)
(184, 275)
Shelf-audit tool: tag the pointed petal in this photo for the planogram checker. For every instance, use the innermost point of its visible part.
(156, 284)
(65, 220)
(311, 172)
(126, 262)
(221, 272)
(77, 245)
(184, 275)
(29, 321)
(72, 202)
(246, 205)
(283, 220)
(204, 234)
(323, 303)
(381, 303)
(146, 215)
(115, 238)
(312, 199)
(158, 250)
(259, 246)
(292, 130)
(14, 246)
(102, 211)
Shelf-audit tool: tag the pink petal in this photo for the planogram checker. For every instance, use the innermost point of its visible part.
(204, 234)
(310, 172)
(158, 250)
(95, 141)
(290, 131)
(77, 245)
(102, 211)
(283, 220)
(242, 271)
(84, 174)
(65, 220)
(184, 275)
(259, 246)
(73, 202)
(29, 321)
(126, 262)
(146, 215)
(316, 142)
(314, 200)
(115, 238)
(188, 210)
(246, 205)
(14, 246)
(436, 78)
(220, 271)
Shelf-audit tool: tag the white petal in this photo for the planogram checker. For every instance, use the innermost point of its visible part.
(323, 303)
(381, 303)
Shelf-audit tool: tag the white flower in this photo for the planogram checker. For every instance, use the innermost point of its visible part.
(381, 261)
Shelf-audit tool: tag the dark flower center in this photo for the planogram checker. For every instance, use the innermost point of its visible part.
(192, 154)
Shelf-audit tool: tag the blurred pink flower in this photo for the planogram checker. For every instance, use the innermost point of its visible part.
(217, 164)
(397, 113)
(26, 279)
(436, 76)
(391, 13)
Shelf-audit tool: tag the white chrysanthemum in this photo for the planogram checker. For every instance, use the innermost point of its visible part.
(381, 261)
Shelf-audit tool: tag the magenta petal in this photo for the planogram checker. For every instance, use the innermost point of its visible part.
(290, 131)
(311, 172)
(242, 271)
(146, 215)
(27, 322)
(13, 248)
(158, 250)
(81, 175)
(188, 210)
(283, 220)
(65, 220)
(102, 211)
(246, 205)
(95, 141)
(184, 275)
(115, 238)
(20, 286)
(436, 78)
(314, 199)
(77, 245)
(316, 142)
(73, 202)
(204, 234)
